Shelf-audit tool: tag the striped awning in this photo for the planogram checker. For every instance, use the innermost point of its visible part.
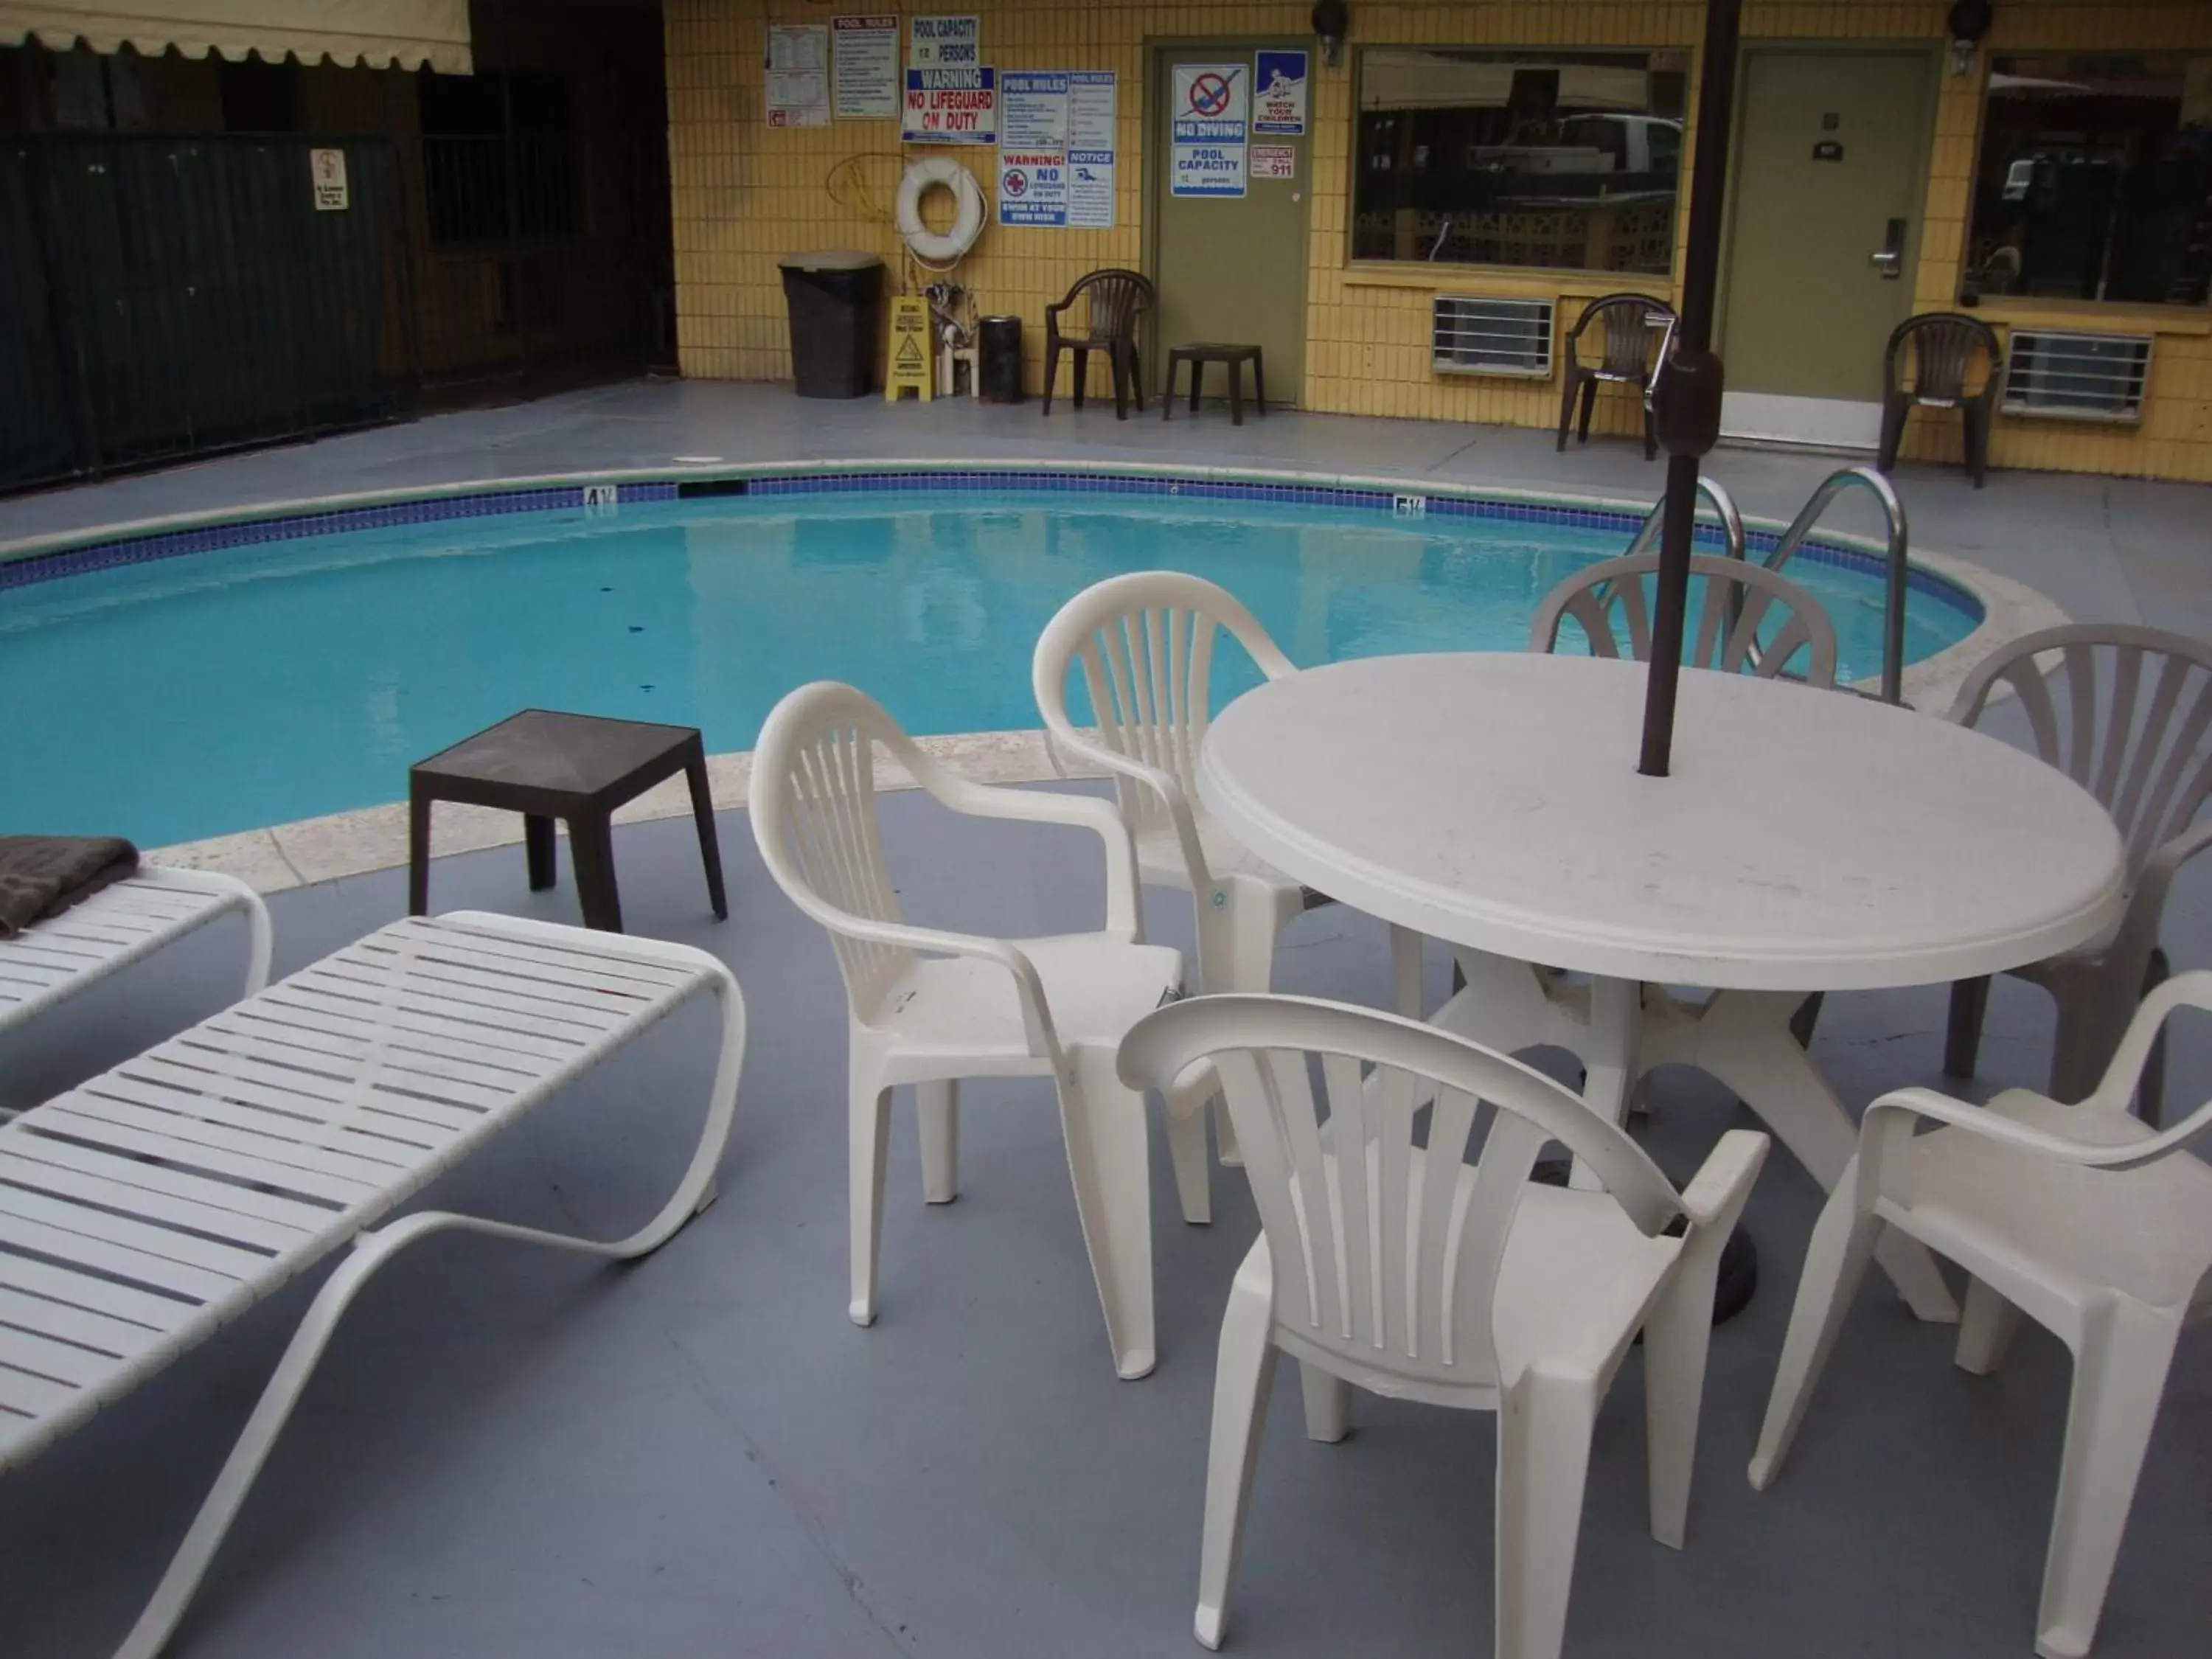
(377, 33)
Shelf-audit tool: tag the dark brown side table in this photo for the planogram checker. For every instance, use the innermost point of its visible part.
(578, 768)
(1198, 354)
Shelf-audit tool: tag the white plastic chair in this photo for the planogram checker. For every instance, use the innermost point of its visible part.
(1145, 642)
(2082, 1217)
(2150, 763)
(1452, 1283)
(1732, 602)
(930, 1007)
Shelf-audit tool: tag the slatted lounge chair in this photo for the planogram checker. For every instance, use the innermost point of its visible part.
(51, 962)
(144, 1210)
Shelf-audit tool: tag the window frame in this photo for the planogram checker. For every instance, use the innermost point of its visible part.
(1574, 277)
(2190, 316)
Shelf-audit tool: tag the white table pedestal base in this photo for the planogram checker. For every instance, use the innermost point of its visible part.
(1620, 1030)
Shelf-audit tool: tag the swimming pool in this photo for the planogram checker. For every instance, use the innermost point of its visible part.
(238, 686)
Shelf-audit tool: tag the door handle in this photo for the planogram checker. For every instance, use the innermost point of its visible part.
(1889, 257)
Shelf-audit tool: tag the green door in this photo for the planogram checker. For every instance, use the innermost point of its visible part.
(1824, 233)
(1230, 264)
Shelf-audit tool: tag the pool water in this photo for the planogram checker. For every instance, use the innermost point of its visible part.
(223, 690)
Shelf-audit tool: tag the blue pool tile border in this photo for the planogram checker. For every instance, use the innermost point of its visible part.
(433, 509)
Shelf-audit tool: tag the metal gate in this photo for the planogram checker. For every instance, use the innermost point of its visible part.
(168, 297)
(162, 297)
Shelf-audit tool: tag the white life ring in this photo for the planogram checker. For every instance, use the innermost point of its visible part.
(934, 247)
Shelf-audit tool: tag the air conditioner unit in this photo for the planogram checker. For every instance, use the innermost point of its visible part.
(2065, 376)
(1477, 335)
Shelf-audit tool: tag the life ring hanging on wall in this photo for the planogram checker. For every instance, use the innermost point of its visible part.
(939, 247)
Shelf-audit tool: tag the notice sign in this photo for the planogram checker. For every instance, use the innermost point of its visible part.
(950, 106)
(1091, 144)
(1209, 102)
(1274, 160)
(799, 74)
(946, 43)
(864, 68)
(1279, 107)
(327, 168)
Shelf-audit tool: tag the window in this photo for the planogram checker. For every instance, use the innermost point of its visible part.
(1567, 160)
(2095, 180)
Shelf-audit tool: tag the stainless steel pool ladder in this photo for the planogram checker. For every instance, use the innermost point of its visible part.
(1724, 506)
(1898, 579)
(1785, 547)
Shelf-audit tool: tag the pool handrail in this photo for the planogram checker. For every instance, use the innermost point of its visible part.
(1724, 506)
(1896, 536)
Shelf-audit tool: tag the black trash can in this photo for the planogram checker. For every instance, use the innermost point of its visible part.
(835, 303)
(999, 360)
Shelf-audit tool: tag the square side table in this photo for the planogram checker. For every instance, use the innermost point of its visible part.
(577, 768)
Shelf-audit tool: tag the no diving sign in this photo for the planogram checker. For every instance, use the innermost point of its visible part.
(1210, 103)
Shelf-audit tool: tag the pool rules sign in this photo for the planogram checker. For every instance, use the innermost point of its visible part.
(1209, 102)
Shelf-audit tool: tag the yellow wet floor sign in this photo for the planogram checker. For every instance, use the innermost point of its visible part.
(909, 368)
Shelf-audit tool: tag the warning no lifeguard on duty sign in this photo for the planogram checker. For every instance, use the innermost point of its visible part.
(1210, 104)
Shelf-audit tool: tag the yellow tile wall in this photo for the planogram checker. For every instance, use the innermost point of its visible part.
(744, 194)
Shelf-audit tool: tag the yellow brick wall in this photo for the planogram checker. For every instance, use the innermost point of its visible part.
(744, 194)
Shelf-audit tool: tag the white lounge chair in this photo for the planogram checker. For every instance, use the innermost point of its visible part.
(928, 1007)
(52, 961)
(1145, 644)
(1406, 1270)
(144, 1210)
(1733, 603)
(2082, 1217)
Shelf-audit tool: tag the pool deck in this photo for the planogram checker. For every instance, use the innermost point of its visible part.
(513, 1452)
(2094, 548)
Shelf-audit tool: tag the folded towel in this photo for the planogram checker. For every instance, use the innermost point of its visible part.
(42, 876)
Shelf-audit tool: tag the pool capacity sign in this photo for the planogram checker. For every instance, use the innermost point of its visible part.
(1209, 102)
(951, 98)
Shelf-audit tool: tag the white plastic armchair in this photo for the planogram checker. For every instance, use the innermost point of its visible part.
(2133, 727)
(2084, 1217)
(1734, 602)
(930, 1006)
(1408, 1271)
(1144, 643)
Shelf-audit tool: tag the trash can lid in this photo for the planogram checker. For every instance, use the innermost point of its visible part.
(988, 320)
(834, 259)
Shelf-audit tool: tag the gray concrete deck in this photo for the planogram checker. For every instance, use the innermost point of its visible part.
(514, 1453)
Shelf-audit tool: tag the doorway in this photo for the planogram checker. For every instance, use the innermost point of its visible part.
(1824, 236)
(1225, 212)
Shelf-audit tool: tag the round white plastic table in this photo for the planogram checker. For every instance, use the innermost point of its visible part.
(1806, 841)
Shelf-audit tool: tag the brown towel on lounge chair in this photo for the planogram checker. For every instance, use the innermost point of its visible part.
(42, 876)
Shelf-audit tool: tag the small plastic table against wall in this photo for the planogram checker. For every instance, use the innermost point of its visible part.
(1807, 841)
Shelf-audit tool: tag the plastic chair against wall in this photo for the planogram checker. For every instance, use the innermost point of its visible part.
(1944, 346)
(1625, 323)
(1144, 645)
(1415, 1274)
(2081, 1217)
(929, 1007)
(1117, 300)
(1731, 603)
(2133, 727)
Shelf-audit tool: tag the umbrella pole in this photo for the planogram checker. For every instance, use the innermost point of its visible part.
(1686, 402)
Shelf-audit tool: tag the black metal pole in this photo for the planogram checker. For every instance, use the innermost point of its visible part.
(509, 170)
(1686, 402)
